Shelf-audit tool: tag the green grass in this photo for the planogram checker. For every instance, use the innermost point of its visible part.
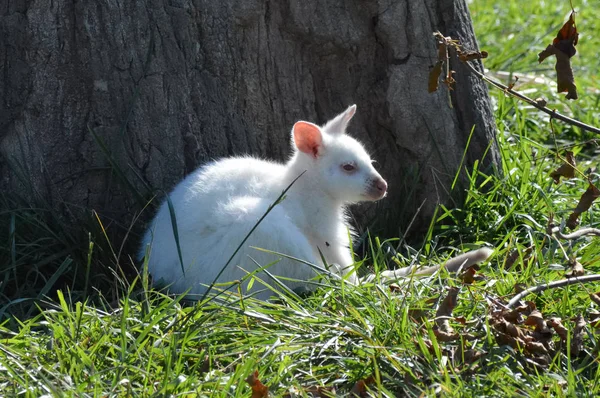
(104, 336)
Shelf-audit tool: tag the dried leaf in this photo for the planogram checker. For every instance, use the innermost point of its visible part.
(516, 254)
(585, 202)
(578, 333)
(418, 315)
(536, 319)
(566, 170)
(541, 102)
(558, 327)
(395, 288)
(530, 305)
(447, 306)
(360, 388)
(471, 355)
(258, 389)
(442, 51)
(449, 80)
(472, 55)
(591, 194)
(446, 336)
(444, 312)
(468, 277)
(505, 339)
(434, 76)
(567, 37)
(563, 48)
(507, 328)
(535, 348)
(573, 220)
(516, 314)
(595, 297)
(520, 287)
(595, 319)
(575, 270)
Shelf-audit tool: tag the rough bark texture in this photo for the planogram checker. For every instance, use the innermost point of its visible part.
(166, 85)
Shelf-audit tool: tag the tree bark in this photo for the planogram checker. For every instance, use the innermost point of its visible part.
(105, 104)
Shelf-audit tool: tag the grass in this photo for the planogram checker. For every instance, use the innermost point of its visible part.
(104, 336)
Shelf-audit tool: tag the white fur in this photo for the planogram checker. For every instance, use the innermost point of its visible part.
(218, 204)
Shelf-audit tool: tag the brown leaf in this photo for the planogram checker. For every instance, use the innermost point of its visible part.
(566, 170)
(434, 76)
(520, 287)
(541, 102)
(573, 220)
(448, 304)
(394, 288)
(542, 332)
(585, 202)
(444, 312)
(536, 319)
(567, 37)
(505, 339)
(516, 254)
(360, 388)
(449, 80)
(595, 319)
(418, 315)
(443, 335)
(535, 348)
(514, 331)
(558, 327)
(258, 389)
(472, 55)
(512, 85)
(471, 355)
(508, 329)
(563, 48)
(442, 50)
(578, 333)
(468, 277)
(591, 194)
(575, 270)
(516, 314)
(595, 297)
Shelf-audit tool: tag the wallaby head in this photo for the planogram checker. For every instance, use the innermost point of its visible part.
(334, 162)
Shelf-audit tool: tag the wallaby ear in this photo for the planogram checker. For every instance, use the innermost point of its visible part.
(308, 138)
(338, 124)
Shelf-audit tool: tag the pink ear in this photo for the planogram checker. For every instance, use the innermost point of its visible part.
(307, 138)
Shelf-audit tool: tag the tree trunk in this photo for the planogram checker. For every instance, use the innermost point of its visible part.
(105, 104)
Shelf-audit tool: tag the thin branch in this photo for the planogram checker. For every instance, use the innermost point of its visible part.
(577, 234)
(533, 103)
(552, 285)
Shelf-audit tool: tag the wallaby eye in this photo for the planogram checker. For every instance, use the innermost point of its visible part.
(350, 167)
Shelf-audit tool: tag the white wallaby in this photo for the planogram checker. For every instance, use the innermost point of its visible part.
(218, 204)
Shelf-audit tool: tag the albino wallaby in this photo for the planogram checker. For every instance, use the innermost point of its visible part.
(218, 204)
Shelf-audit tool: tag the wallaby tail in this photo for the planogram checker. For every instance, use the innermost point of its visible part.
(462, 261)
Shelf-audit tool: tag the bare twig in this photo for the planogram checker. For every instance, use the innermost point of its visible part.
(577, 234)
(533, 103)
(552, 285)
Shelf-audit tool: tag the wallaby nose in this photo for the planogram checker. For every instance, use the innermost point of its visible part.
(381, 185)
